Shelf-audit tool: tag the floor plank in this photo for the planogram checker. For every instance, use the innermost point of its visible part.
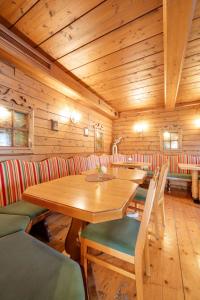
(175, 261)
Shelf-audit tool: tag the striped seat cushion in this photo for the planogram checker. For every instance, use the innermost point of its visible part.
(63, 167)
(105, 160)
(71, 166)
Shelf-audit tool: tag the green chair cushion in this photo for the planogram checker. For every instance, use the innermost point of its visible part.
(141, 194)
(31, 270)
(150, 173)
(179, 175)
(12, 223)
(23, 208)
(120, 234)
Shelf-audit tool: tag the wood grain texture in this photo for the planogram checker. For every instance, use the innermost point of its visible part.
(175, 271)
(150, 140)
(49, 104)
(177, 20)
(92, 202)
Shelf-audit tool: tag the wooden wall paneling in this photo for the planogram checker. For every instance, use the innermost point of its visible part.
(11, 11)
(51, 16)
(50, 75)
(150, 140)
(108, 16)
(133, 32)
(48, 104)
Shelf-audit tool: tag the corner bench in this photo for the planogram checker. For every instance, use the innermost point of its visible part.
(33, 270)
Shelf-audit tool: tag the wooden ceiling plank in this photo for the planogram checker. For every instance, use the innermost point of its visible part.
(51, 16)
(125, 69)
(12, 11)
(108, 16)
(177, 20)
(131, 33)
(53, 76)
(132, 78)
(129, 54)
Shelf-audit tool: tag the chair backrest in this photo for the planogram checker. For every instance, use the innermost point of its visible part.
(159, 197)
(142, 235)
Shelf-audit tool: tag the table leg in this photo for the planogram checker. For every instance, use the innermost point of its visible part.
(72, 243)
(195, 187)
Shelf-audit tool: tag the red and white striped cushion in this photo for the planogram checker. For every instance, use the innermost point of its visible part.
(10, 182)
(49, 169)
(93, 161)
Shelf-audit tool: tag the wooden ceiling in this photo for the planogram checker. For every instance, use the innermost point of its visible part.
(114, 46)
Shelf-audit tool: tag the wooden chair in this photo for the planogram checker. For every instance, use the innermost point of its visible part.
(126, 239)
(141, 195)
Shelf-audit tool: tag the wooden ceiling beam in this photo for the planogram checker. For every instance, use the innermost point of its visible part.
(177, 20)
(29, 60)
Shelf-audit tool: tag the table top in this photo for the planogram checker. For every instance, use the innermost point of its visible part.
(88, 201)
(132, 164)
(135, 175)
(191, 167)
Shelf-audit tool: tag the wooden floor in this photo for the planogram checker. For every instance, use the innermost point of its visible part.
(175, 262)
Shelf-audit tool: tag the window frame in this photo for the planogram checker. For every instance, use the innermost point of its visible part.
(30, 129)
(171, 129)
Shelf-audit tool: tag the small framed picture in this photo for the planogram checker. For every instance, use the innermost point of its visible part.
(85, 131)
(54, 125)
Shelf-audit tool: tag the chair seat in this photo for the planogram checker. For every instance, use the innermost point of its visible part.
(12, 223)
(179, 175)
(141, 194)
(23, 208)
(120, 234)
(33, 271)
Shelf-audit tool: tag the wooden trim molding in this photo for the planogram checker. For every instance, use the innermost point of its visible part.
(19, 53)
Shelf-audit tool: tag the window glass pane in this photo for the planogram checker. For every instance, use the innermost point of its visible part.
(5, 137)
(166, 145)
(20, 120)
(5, 117)
(166, 136)
(174, 144)
(174, 136)
(20, 138)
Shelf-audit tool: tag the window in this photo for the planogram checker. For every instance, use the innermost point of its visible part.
(171, 139)
(16, 128)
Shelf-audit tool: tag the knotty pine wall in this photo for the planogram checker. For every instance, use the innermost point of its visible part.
(150, 141)
(49, 104)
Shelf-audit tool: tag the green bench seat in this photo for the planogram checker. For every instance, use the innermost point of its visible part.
(31, 270)
(23, 208)
(12, 223)
(119, 235)
(141, 194)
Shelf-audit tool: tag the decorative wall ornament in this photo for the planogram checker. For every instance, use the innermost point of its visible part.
(114, 145)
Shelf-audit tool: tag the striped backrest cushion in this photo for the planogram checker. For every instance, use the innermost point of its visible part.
(49, 169)
(29, 173)
(93, 161)
(10, 182)
(80, 164)
(63, 167)
(71, 167)
(105, 160)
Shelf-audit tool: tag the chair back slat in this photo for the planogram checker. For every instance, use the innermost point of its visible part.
(161, 183)
(149, 203)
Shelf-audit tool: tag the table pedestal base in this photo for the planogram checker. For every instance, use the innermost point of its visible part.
(72, 242)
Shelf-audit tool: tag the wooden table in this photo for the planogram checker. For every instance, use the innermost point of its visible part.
(84, 201)
(133, 164)
(194, 169)
(135, 175)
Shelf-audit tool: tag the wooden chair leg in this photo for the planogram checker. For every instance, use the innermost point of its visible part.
(84, 257)
(147, 258)
(163, 213)
(139, 279)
